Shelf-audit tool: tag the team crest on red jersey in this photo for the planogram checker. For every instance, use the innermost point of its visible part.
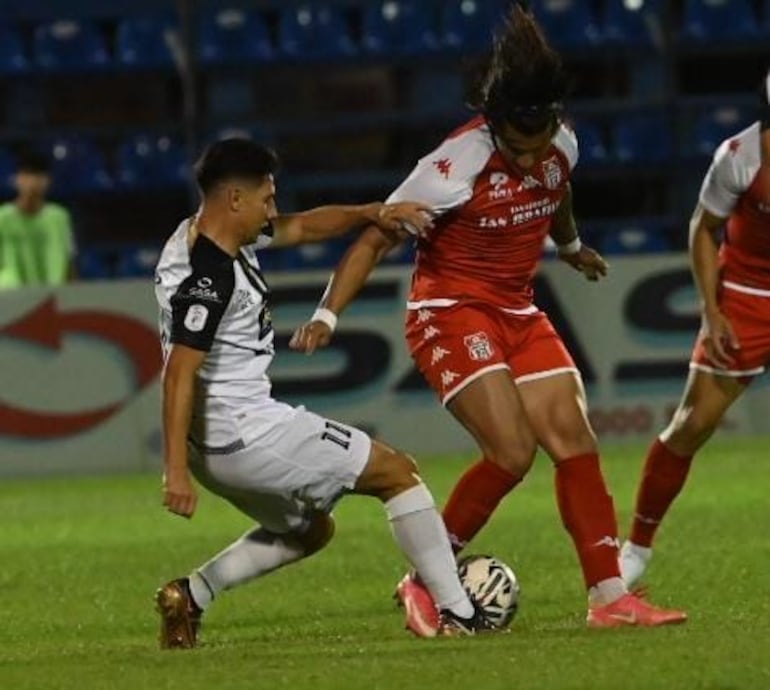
(479, 347)
(444, 167)
(552, 174)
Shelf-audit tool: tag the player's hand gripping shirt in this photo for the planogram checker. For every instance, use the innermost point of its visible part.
(213, 302)
(737, 187)
(490, 220)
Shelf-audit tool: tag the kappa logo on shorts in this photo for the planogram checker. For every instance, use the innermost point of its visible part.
(430, 332)
(195, 319)
(424, 315)
(448, 377)
(479, 347)
(438, 354)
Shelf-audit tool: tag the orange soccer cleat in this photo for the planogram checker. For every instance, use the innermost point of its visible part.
(632, 609)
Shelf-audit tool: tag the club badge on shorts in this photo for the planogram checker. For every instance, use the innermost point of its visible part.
(479, 347)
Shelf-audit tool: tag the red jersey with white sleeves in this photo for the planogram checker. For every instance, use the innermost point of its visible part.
(490, 219)
(737, 187)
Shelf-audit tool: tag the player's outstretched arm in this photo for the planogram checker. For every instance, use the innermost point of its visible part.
(326, 222)
(719, 337)
(345, 283)
(571, 250)
(179, 494)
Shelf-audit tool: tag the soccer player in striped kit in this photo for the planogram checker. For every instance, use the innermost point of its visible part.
(283, 466)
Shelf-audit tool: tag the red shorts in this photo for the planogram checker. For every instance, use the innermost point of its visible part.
(749, 315)
(455, 345)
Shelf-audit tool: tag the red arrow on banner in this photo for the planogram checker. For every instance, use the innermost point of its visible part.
(44, 326)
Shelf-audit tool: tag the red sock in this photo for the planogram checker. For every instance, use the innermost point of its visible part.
(474, 499)
(588, 514)
(663, 477)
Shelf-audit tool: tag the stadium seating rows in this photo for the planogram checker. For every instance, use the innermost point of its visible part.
(313, 31)
(144, 161)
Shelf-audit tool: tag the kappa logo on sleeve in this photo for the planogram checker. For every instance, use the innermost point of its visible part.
(444, 167)
(196, 317)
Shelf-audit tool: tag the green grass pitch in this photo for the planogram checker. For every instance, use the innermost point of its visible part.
(81, 558)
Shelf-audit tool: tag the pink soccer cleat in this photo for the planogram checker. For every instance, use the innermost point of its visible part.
(422, 616)
(632, 609)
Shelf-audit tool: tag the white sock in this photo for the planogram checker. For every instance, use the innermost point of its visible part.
(256, 553)
(421, 534)
(643, 552)
(606, 591)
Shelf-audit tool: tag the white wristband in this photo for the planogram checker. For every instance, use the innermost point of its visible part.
(569, 248)
(326, 316)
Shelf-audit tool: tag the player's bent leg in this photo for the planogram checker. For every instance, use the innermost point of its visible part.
(706, 398)
(490, 409)
(557, 410)
(182, 602)
(417, 528)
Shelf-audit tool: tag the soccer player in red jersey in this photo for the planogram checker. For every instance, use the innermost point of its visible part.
(733, 280)
(497, 187)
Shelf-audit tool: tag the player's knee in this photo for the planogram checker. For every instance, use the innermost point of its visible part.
(689, 429)
(318, 534)
(388, 473)
(565, 439)
(516, 456)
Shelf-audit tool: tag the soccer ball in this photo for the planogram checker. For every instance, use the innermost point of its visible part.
(492, 585)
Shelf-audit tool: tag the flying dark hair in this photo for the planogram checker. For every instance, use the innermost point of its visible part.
(524, 83)
(233, 158)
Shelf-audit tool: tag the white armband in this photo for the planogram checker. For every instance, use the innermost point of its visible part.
(569, 248)
(326, 316)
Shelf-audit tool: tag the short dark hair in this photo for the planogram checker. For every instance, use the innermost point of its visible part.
(233, 158)
(33, 161)
(524, 83)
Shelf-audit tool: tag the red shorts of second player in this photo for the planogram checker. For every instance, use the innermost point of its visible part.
(455, 345)
(749, 315)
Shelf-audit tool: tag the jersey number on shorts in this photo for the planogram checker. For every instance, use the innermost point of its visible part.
(337, 434)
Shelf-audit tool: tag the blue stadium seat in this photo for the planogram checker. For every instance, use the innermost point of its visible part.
(635, 238)
(634, 24)
(7, 172)
(398, 27)
(144, 41)
(78, 166)
(642, 139)
(67, 45)
(715, 20)
(137, 262)
(716, 125)
(95, 264)
(151, 161)
(311, 31)
(234, 36)
(569, 24)
(12, 57)
(469, 25)
(590, 143)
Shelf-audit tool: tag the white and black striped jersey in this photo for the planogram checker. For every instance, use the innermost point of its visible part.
(213, 302)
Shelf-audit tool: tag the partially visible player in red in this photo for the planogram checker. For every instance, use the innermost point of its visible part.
(732, 276)
(497, 187)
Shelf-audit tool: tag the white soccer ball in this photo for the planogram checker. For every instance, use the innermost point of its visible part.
(493, 585)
